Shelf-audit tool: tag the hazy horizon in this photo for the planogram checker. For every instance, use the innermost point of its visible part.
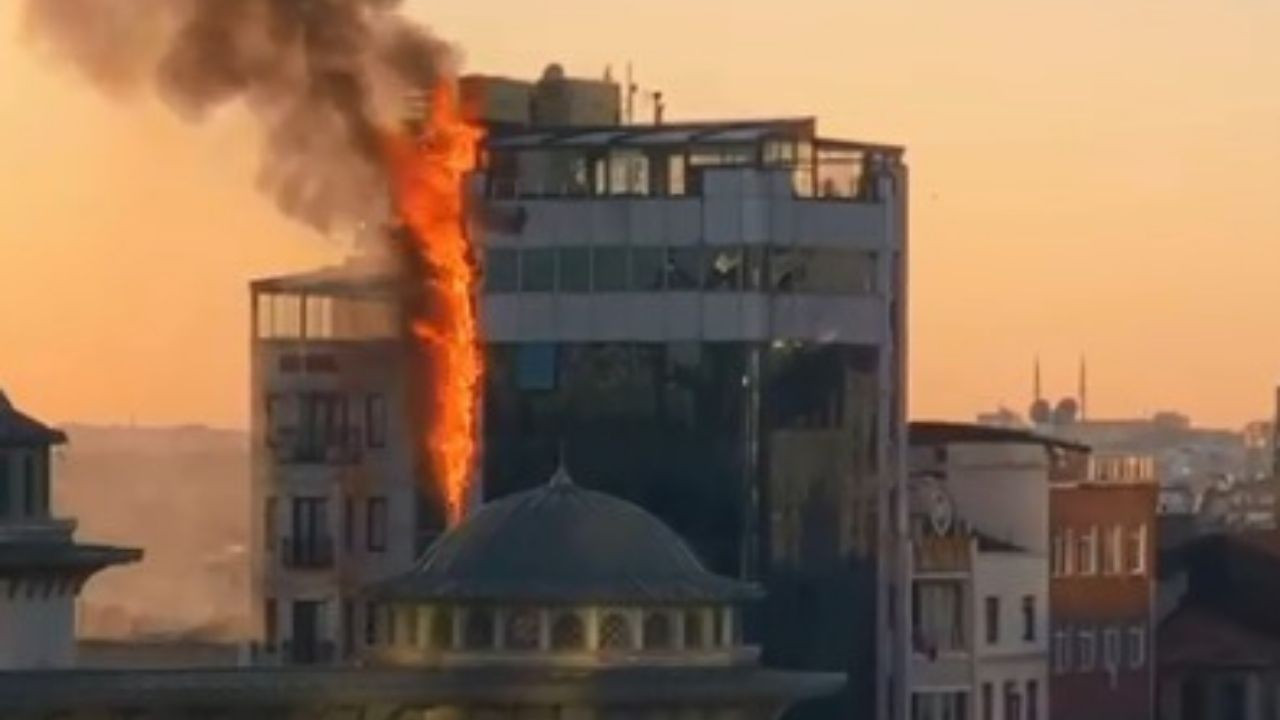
(1087, 178)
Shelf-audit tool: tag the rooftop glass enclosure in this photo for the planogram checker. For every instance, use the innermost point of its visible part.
(669, 160)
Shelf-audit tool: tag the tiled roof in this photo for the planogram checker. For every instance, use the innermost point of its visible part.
(1195, 636)
(935, 432)
(18, 429)
(562, 542)
(17, 557)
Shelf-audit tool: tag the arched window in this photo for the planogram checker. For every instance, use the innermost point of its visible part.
(442, 628)
(615, 632)
(694, 636)
(657, 631)
(568, 632)
(478, 633)
(523, 630)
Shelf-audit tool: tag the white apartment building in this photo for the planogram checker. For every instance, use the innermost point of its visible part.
(978, 639)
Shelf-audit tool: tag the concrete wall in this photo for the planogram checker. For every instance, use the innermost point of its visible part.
(364, 368)
(37, 632)
(1000, 489)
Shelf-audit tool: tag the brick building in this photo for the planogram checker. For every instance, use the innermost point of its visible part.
(1102, 587)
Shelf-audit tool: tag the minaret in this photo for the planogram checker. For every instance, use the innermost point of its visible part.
(42, 567)
(1035, 389)
(1083, 390)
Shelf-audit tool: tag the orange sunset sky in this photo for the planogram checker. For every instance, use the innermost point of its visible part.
(1088, 176)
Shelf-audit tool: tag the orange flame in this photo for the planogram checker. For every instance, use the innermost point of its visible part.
(428, 174)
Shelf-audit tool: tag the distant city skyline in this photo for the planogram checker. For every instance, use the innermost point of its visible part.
(1109, 197)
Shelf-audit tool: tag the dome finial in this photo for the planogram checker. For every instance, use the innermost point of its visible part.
(560, 478)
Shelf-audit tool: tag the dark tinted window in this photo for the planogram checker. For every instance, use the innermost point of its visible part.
(648, 266)
(684, 268)
(502, 271)
(575, 269)
(724, 268)
(538, 270)
(609, 266)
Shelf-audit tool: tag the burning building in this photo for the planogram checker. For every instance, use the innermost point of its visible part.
(704, 318)
(365, 382)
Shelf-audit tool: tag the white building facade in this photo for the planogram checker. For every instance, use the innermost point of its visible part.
(979, 567)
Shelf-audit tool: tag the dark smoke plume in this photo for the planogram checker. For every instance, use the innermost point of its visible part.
(324, 78)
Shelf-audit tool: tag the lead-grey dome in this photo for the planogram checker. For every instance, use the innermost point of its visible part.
(563, 543)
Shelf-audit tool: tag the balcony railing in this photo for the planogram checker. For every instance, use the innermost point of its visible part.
(308, 553)
(291, 447)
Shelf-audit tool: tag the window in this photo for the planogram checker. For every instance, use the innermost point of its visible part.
(657, 631)
(988, 702)
(648, 268)
(375, 421)
(538, 270)
(937, 616)
(282, 421)
(1087, 650)
(628, 172)
(536, 366)
(270, 624)
(1068, 552)
(1033, 700)
(992, 619)
(501, 270)
(6, 497)
(477, 632)
(675, 175)
(615, 632)
(30, 491)
(376, 524)
(1113, 551)
(1137, 647)
(1137, 551)
(1111, 648)
(370, 624)
(1087, 552)
(684, 268)
(822, 271)
(724, 269)
(348, 628)
(1056, 556)
(269, 531)
(348, 523)
(1062, 650)
(609, 269)
(693, 632)
(310, 542)
(568, 632)
(1028, 618)
(939, 705)
(442, 628)
(523, 630)
(1012, 701)
(575, 270)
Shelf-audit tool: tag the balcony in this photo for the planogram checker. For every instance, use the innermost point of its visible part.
(310, 553)
(291, 447)
(941, 555)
